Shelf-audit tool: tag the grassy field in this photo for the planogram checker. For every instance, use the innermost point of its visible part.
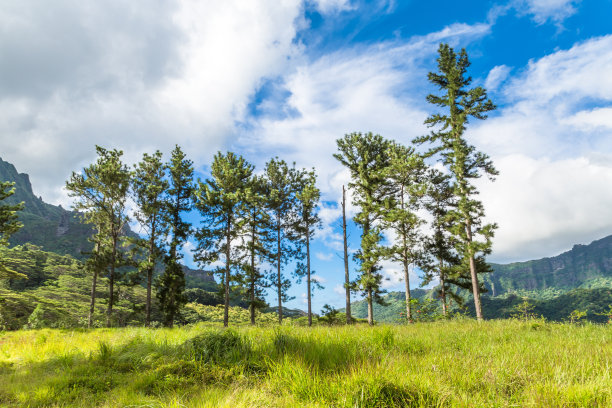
(456, 363)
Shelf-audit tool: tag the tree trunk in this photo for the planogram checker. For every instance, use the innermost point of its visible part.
(370, 309)
(228, 242)
(150, 278)
(308, 269)
(111, 283)
(346, 262)
(443, 292)
(278, 265)
(252, 305)
(407, 279)
(473, 273)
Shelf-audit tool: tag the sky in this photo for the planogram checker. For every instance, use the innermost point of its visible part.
(288, 77)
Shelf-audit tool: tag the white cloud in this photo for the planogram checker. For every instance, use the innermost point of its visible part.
(136, 78)
(324, 257)
(332, 6)
(553, 189)
(339, 290)
(497, 75)
(545, 10)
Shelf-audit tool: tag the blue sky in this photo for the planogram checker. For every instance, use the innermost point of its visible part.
(287, 78)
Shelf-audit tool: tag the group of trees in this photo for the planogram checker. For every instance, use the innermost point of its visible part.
(248, 221)
(252, 221)
(391, 183)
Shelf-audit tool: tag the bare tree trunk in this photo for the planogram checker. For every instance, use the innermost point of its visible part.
(111, 283)
(227, 272)
(150, 278)
(308, 268)
(473, 273)
(370, 309)
(278, 264)
(346, 263)
(252, 305)
(407, 279)
(443, 292)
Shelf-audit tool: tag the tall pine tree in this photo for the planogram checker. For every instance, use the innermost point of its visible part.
(458, 103)
(366, 156)
(254, 240)
(405, 173)
(101, 190)
(281, 205)
(149, 187)
(308, 196)
(171, 284)
(221, 200)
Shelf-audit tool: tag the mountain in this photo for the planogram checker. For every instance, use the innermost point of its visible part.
(579, 279)
(48, 226)
(584, 266)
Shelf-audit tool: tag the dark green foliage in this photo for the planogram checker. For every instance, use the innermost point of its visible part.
(462, 160)
(178, 200)
(329, 315)
(203, 297)
(366, 156)
(392, 311)
(221, 202)
(170, 291)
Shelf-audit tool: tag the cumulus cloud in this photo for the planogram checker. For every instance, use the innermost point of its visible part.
(136, 78)
(551, 192)
(548, 10)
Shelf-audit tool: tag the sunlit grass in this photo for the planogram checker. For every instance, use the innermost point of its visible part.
(457, 363)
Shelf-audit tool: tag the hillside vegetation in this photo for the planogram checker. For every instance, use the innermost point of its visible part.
(462, 363)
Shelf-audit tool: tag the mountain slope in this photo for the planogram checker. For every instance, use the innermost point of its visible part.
(584, 266)
(45, 225)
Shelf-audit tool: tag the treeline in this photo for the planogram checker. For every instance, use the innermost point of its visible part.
(246, 221)
(249, 221)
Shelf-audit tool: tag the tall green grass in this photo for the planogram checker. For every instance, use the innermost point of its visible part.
(457, 363)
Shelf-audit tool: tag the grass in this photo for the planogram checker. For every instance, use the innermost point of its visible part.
(501, 363)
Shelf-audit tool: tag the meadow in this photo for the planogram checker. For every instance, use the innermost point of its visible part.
(499, 363)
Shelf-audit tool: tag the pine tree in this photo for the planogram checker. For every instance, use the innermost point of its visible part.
(444, 266)
(171, 284)
(463, 161)
(366, 157)
(405, 174)
(308, 196)
(149, 187)
(220, 200)
(254, 240)
(281, 205)
(9, 224)
(101, 191)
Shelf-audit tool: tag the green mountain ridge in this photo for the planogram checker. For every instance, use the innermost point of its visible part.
(578, 279)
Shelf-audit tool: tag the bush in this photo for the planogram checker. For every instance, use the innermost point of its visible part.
(220, 346)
